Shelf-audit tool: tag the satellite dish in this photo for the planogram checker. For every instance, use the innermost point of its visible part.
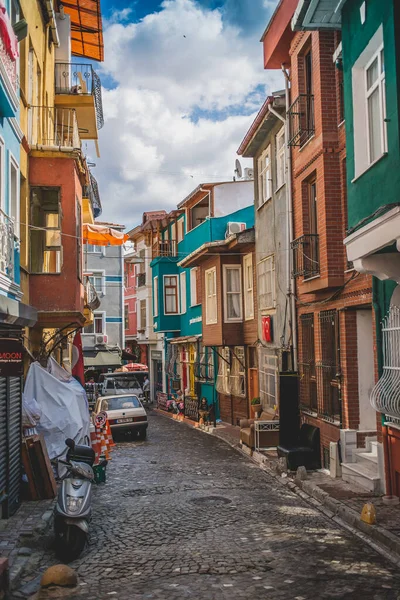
(238, 168)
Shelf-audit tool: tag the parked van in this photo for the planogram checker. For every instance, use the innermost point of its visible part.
(117, 384)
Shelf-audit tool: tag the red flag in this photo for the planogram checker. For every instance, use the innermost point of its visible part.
(77, 359)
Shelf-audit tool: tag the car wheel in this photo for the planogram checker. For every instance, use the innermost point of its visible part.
(142, 434)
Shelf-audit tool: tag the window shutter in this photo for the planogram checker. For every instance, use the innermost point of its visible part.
(198, 285)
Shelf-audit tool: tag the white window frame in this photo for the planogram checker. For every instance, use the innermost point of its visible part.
(102, 274)
(248, 287)
(155, 297)
(180, 229)
(211, 298)
(227, 268)
(280, 158)
(380, 85)
(268, 371)
(2, 175)
(14, 211)
(176, 277)
(103, 320)
(194, 301)
(141, 326)
(264, 177)
(265, 267)
(173, 232)
(182, 286)
(101, 249)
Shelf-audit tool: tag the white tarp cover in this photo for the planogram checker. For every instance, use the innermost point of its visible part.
(63, 402)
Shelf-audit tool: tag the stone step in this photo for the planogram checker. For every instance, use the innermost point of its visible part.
(361, 456)
(372, 445)
(362, 475)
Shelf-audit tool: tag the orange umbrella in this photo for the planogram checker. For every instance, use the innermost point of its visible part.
(101, 235)
(86, 28)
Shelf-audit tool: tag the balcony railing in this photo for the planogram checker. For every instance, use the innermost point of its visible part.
(7, 238)
(164, 248)
(92, 192)
(301, 120)
(92, 300)
(54, 127)
(80, 79)
(306, 256)
(141, 280)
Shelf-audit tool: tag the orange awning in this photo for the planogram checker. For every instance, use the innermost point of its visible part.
(86, 28)
(100, 235)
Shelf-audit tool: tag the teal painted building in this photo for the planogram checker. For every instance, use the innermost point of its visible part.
(206, 215)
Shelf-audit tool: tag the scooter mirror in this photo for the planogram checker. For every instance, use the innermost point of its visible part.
(70, 443)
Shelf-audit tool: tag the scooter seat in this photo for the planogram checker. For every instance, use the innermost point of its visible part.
(84, 454)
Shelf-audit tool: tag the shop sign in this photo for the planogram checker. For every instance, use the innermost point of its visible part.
(156, 355)
(11, 357)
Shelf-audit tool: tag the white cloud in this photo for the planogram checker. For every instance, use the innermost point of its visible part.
(153, 154)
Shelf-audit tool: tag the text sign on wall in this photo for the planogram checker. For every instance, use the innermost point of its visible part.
(11, 357)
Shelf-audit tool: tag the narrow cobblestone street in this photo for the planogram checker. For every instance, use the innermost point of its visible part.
(183, 515)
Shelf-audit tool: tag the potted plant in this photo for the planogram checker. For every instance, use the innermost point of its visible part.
(255, 407)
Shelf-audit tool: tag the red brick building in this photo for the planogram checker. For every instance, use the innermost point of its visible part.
(334, 315)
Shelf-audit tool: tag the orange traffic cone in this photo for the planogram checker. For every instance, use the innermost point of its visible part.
(104, 446)
(110, 440)
(95, 441)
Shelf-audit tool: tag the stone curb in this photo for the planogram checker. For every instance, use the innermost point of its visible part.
(320, 499)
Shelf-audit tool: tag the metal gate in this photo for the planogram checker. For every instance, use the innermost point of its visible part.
(10, 443)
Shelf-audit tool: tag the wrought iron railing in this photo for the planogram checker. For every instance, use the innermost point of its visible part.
(92, 300)
(141, 280)
(55, 127)
(306, 256)
(92, 192)
(164, 248)
(80, 79)
(329, 388)
(7, 244)
(301, 120)
(385, 396)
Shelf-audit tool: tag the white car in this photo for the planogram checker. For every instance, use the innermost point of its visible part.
(125, 414)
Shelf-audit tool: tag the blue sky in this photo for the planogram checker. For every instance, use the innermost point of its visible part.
(182, 82)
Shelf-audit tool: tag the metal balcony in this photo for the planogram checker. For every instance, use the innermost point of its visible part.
(91, 191)
(53, 127)
(7, 243)
(301, 120)
(80, 80)
(141, 280)
(306, 256)
(164, 248)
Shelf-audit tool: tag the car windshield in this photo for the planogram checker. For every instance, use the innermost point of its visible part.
(120, 403)
(123, 383)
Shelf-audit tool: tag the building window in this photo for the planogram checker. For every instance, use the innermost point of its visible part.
(194, 297)
(264, 177)
(143, 314)
(237, 376)
(91, 249)
(126, 316)
(223, 380)
(170, 294)
(182, 277)
(180, 229)
(155, 297)
(98, 281)
(308, 387)
(280, 158)
(211, 296)
(199, 212)
(376, 105)
(173, 231)
(233, 293)
(14, 194)
(328, 369)
(266, 283)
(248, 287)
(210, 364)
(2, 166)
(98, 325)
(268, 380)
(45, 233)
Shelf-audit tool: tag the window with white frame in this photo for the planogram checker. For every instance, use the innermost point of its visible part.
(92, 249)
(280, 157)
(211, 296)
(193, 286)
(222, 384)
(14, 194)
(210, 363)
(97, 279)
(233, 293)
(264, 177)
(237, 375)
(173, 231)
(170, 294)
(266, 283)
(369, 105)
(98, 325)
(183, 291)
(155, 297)
(248, 286)
(180, 229)
(268, 380)
(143, 314)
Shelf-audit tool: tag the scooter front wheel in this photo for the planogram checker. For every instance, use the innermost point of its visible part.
(70, 542)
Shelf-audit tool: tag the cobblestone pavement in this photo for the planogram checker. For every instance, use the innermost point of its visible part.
(183, 515)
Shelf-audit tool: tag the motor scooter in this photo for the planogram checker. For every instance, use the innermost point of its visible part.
(72, 512)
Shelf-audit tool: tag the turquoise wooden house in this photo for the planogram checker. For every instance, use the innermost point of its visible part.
(207, 214)
(369, 56)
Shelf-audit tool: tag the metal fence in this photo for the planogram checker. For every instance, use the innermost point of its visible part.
(7, 242)
(328, 369)
(306, 256)
(385, 396)
(55, 127)
(301, 120)
(80, 79)
(308, 381)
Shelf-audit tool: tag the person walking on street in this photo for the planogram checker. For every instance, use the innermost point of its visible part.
(146, 389)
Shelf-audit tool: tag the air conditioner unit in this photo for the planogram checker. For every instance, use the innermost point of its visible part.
(101, 339)
(234, 227)
(248, 173)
